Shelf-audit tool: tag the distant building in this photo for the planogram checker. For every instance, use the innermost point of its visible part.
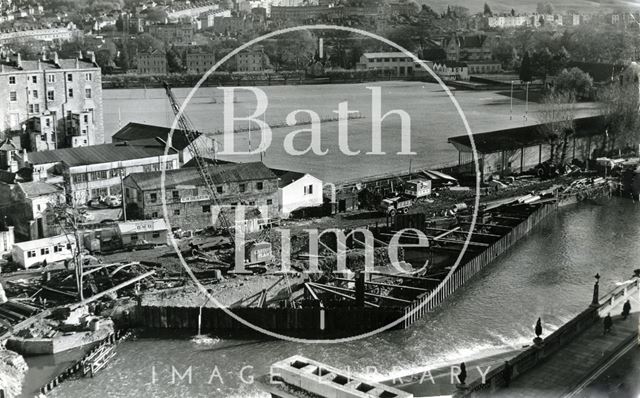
(252, 60)
(10, 155)
(94, 171)
(190, 9)
(58, 33)
(506, 21)
(177, 34)
(468, 48)
(483, 67)
(25, 205)
(152, 62)
(571, 20)
(206, 20)
(188, 202)
(451, 70)
(294, 13)
(397, 62)
(199, 61)
(42, 100)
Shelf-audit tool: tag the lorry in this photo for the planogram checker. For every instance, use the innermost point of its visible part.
(396, 204)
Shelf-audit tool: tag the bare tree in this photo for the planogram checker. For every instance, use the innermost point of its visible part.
(620, 109)
(557, 114)
(68, 218)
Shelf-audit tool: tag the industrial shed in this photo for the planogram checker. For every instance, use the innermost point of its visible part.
(519, 149)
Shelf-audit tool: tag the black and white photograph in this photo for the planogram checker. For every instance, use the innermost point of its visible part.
(319, 198)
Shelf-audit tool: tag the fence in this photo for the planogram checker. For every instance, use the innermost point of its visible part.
(426, 302)
(533, 356)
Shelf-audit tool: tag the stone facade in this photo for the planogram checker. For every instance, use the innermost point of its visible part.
(152, 62)
(55, 88)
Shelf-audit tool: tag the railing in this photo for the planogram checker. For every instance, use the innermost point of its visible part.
(534, 355)
(426, 302)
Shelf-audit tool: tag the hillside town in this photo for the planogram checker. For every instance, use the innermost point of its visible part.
(121, 215)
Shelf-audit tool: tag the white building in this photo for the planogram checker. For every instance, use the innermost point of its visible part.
(143, 232)
(397, 62)
(506, 21)
(451, 70)
(53, 249)
(297, 191)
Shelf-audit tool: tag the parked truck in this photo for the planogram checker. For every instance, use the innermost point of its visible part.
(397, 204)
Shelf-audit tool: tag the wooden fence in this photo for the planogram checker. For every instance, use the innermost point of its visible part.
(427, 301)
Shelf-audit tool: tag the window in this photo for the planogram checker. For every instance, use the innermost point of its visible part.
(57, 248)
(43, 137)
(134, 236)
(220, 189)
(269, 201)
(242, 187)
(69, 77)
(12, 80)
(79, 178)
(153, 197)
(51, 96)
(31, 253)
(51, 78)
(34, 108)
(88, 76)
(34, 79)
(154, 214)
(13, 96)
(70, 93)
(233, 205)
(47, 122)
(176, 212)
(155, 234)
(206, 209)
(252, 203)
(310, 189)
(259, 186)
(34, 93)
(175, 195)
(86, 118)
(87, 93)
(44, 251)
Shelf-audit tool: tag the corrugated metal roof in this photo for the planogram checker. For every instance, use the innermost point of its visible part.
(38, 188)
(140, 131)
(96, 154)
(45, 242)
(190, 176)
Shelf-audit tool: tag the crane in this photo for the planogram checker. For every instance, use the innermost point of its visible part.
(191, 134)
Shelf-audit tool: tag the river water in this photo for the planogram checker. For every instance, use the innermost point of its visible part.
(549, 274)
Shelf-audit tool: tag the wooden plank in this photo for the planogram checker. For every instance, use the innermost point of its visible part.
(113, 289)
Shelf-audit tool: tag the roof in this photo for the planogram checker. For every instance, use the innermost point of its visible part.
(224, 173)
(38, 188)
(140, 131)
(39, 243)
(63, 64)
(8, 145)
(132, 227)
(192, 162)
(383, 55)
(286, 177)
(96, 154)
(434, 54)
(520, 137)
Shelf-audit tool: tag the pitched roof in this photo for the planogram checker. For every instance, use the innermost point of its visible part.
(224, 173)
(38, 188)
(286, 177)
(140, 131)
(519, 137)
(96, 154)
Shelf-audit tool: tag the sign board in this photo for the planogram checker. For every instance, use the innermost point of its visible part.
(197, 198)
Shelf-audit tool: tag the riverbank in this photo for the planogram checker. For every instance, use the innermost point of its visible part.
(13, 369)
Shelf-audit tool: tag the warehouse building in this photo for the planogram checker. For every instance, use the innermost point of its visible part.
(188, 200)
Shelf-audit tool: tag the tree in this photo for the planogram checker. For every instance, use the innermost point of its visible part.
(174, 61)
(620, 108)
(525, 68)
(556, 116)
(68, 218)
(487, 10)
(545, 8)
(156, 14)
(574, 81)
(123, 59)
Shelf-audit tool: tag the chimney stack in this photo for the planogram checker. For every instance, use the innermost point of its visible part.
(93, 57)
(44, 53)
(79, 54)
(19, 61)
(55, 58)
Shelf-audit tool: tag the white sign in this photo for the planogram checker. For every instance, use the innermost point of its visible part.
(196, 198)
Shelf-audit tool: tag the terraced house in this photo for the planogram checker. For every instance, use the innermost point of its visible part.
(189, 203)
